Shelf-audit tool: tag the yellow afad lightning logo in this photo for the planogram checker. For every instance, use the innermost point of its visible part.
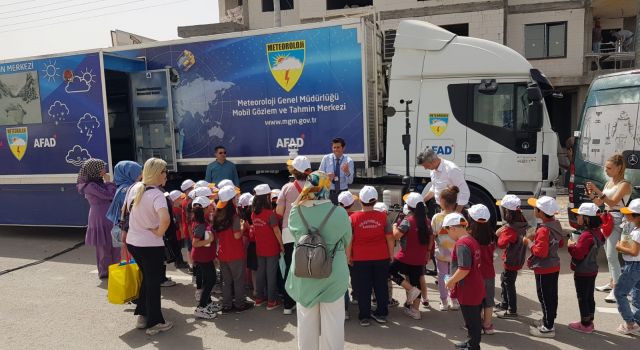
(286, 62)
(17, 139)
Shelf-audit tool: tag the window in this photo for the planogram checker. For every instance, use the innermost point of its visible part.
(546, 40)
(267, 5)
(340, 4)
(461, 29)
(506, 108)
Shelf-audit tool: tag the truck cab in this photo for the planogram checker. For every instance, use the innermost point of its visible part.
(476, 103)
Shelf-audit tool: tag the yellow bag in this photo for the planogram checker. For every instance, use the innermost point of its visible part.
(124, 282)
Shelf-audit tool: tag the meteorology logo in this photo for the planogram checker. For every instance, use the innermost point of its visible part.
(286, 61)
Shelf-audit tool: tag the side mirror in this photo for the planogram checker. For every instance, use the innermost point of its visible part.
(534, 115)
(389, 111)
(534, 93)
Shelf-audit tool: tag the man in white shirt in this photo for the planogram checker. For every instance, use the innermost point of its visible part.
(444, 173)
(339, 167)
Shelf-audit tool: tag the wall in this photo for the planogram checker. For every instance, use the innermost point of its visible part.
(556, 67)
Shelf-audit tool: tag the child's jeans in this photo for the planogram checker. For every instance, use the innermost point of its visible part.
(629, 282)
(444, 268)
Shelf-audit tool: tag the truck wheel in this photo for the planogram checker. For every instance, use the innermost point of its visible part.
(479, 196)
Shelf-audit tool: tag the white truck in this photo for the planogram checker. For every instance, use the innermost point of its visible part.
(260, 92)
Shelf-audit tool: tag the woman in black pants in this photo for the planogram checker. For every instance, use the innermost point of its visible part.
(148, 221)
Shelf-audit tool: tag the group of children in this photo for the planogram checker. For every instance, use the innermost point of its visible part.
(245, 236)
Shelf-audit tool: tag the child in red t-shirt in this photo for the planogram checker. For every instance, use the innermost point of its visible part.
(203, 253)
(584, 263)
(484, 233)
(268, 247)
(231, 254)
(185, 218)
(246, 227)
(368, 254)
(466, 283)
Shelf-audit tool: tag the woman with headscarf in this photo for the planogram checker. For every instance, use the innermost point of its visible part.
(93, 183)
(320, 303)
(125, 174)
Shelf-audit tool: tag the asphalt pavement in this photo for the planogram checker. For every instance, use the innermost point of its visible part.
(61, 304)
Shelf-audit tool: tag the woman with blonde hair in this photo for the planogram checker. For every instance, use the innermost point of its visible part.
(148, 221)
(615, 195)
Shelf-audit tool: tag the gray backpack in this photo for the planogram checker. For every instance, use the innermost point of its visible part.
(311, 256)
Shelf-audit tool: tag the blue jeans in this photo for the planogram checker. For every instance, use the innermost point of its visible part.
(629, 282)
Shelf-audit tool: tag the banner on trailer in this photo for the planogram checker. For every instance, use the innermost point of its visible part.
(256, 95)
(51, 115)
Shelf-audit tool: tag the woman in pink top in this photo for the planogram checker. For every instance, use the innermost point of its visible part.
(148, 221)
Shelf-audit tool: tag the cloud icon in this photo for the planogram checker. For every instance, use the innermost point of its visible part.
(58, 111)
(77, 155)
(18, 142)
(438, 122)
(87, 124)
(77, 84)
(288, 63)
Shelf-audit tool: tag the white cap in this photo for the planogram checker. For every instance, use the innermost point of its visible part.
(367, 194)
(203, 201)
(275, 193)
(301, 163)
(202, 183)
(405, 209)
(510, 201)
(245, 200)
(187, 184)
(224, 182)
(454, 219)
(545, 204)
(175, 194)
(412, 199)
(262, 189)
(479, 212)
(202, 192)
(632, 208)
(225, 194)
(346, 198)
(192, 194)
(381, 207)
(588, 209)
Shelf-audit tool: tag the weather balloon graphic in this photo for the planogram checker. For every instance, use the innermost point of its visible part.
(50, 70)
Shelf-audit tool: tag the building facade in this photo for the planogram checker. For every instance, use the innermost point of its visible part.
(556, 36)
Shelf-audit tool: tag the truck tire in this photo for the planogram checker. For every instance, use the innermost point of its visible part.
(479, 196)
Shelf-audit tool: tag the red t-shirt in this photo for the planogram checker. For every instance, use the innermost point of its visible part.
(266, 242)
(412, 252)
(177, 215)
(202, 254)
(486, 261)
(370, 231)
(230, 248)
(466, 255)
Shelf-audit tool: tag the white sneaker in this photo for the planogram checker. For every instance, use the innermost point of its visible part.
(214, 307)
(204, 312)
(198, 294)
(454, 305)
(413, 294)
(604, 288)
(160, 327)
(444, 306)
(288, 311)
(415, 314)
(141, 322)
(611, 298)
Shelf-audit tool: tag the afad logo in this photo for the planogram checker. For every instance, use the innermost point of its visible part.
(286, 61)
(18, 140)
(438, 122)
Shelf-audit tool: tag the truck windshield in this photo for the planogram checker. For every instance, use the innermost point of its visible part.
(614, 96)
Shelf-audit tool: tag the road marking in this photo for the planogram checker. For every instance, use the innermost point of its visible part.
(607, 310)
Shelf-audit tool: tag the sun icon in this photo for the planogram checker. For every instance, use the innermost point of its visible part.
(50, 70)
(88, 76)
(279, 59)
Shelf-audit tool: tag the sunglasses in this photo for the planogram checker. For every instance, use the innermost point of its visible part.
(222, 152)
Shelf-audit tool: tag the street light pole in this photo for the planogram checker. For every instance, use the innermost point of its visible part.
(406, 142)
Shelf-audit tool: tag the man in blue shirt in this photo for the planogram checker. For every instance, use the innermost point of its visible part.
(339, 168)
(221, 168)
